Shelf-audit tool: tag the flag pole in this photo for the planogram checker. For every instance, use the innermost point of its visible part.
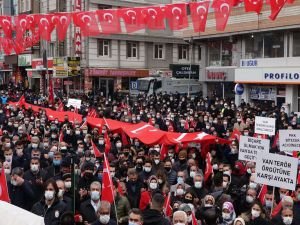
(273, 201)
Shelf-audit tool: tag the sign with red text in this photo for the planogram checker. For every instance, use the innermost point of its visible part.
(78, 8)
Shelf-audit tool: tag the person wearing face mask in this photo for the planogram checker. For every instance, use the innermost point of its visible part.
(19, 158)
(180, 218)
(256, 215)
(103, 214)
(88, 208)
(54, 169)
(87, 178)
(157, 164)
(239, 125)
(154, 215)
(287, 217)
(20, 191)
(243, 205)
(135, 217)
(61, 194)
(133, 186)
(36, 177)
(147, 171)
(228, 214)
(146, 195)
(170, 173)
(287, 202)
(269, 203)
(55, 207)
(198, 188)
(181, 164)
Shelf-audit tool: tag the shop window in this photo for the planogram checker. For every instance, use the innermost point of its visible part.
(254, 46)
(273, 45)
(296, 43)
(214, 55)
(52, 50)
(183, 52)
(226, 57)
(125, 83)
(159, 51)
(132, 49)
(103, 47)
(102, 6)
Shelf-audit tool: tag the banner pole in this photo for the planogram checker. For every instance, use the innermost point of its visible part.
(273, 201)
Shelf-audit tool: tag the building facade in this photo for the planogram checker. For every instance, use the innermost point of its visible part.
(263, 55)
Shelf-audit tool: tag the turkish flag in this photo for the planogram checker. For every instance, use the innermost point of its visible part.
(133, 18)
(235, 135)
(21, 101)
(253, 5)
(84, 124)
(4, 196)
(18, 46)
(262, 193)
(60, 107)
(87, 22)
(163, 151)
(109, 21)
(290, 1)
(61, 22)
(21, 25)
(275, 141)
(107, 185)
(107, 143)
(208, 167)
(94, 122)
(276, 6)
(199, 12)
(6, 45)
(177, 16)
(97, 153)
(45, 25)
(154, 17)
(222, 12)
(61, 136)
(167, 206)
(5, 23)
(194, 220)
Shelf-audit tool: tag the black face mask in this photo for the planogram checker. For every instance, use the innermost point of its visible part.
(168, 169)
(188, 201)
(88, 175)
(182, 161)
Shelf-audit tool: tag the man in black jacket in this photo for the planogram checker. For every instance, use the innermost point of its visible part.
(154, 215)
(133, 187)
(20, 191)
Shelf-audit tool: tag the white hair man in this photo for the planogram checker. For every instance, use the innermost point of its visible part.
(180, 218)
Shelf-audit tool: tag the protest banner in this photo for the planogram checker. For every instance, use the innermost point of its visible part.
(289, 140)
(276, 170)
(264, 125)
(250, 147)
(76, 103)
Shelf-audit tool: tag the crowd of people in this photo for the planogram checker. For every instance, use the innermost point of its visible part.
(38, 166)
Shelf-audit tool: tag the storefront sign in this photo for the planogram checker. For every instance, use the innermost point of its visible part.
(185, 71)
(276, 170)
(250, 147)
(290, 75)
(38, 63)
(216, 75)
(265, 125)
(24, 60)
(248, 62)
(60, 67)
(239, 89)
(77, 40)
(73, 66)
(263, 93)
(289, 140)
(116, 73)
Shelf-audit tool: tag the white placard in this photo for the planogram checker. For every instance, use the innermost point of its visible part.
(265, 125)
(250, 147)
(289, 140)
(76, 103)
(276, 170)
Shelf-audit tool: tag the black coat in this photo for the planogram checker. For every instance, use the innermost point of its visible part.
(134, 193)
(154, 217)
(36, 186)
(21, 196)
(87, 211)
(51, 215)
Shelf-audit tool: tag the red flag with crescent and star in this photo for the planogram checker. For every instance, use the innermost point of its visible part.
(199, 12)
(107, 185)
(4, 196)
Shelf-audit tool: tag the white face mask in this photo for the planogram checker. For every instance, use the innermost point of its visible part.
(34, 145)
(198, 184)
(153, 186)
(34, 168)
(226, 216)
(180, 191)
(156, 161)
(255, 213)
(60, 193)
(253, 185)
(189, 218)
(147, 169)
(192, 174)
(68, 184)
(49, 195)
(104, 219)
(249, 199)
(119, 145)
(225, 184)
(95, 195)
(287, 220)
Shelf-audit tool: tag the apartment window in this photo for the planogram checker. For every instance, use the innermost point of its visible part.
(102, 6)
(274, 45)
(199, 53)
(159, 51)
(183, 52)
(132, 49)
(103, 47)
(220, 53)
(296, 43)
(254, 46)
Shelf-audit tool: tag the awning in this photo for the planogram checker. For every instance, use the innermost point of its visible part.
(40, 69)
(6, 70)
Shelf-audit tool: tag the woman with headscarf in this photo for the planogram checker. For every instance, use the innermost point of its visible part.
(147, 194)
(228, 214)
(239, 221)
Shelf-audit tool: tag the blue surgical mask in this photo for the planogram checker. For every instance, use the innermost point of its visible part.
(56, 162)
(51, 154)
(100, 176)
(180, 180)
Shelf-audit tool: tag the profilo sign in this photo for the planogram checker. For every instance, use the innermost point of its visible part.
(268, 75)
